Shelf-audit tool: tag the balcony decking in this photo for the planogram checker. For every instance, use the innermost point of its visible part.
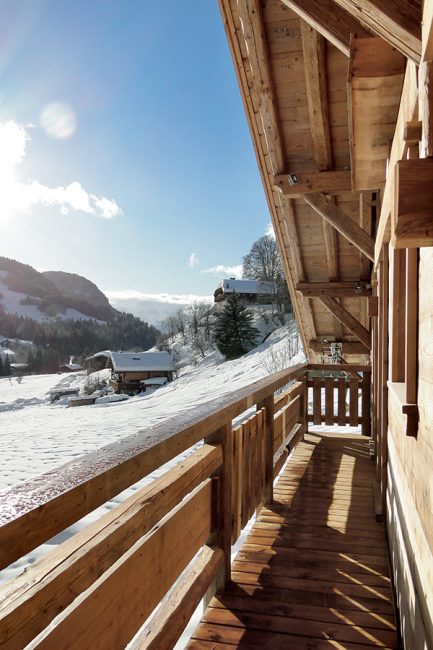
(313, 572)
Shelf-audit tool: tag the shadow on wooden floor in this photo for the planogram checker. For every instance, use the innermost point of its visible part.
(313, 572)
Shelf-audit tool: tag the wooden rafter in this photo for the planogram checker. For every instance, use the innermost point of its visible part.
(313, 46)
(245, 32)
(347, 320)
(397, 22)
(334, 289)
(331, 22)
(314, 52)
(342, 222)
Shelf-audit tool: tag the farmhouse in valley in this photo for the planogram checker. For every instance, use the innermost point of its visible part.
(133, 371)
(252, 292)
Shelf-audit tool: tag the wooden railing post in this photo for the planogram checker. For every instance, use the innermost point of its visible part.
(224, 509)
(366, 404)
(304, 405)
(268, 405)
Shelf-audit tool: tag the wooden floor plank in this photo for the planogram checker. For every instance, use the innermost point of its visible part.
(313, 571)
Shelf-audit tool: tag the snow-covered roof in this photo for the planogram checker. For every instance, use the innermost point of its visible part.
(247, 286)
(136, 361)
(103, 353)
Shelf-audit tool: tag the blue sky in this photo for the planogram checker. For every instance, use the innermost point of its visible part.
(146, 160)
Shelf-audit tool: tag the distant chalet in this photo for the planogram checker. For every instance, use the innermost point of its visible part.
(132, 372)
(252, 292)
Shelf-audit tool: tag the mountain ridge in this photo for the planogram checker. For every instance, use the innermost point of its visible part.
(51, 294)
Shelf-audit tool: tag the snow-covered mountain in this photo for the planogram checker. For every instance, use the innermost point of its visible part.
(51, 294)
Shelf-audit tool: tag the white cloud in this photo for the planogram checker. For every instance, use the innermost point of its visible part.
(193, 260)
(18, 196)
(173, 298)
(269, 232)
(230, 271)
(152, 307)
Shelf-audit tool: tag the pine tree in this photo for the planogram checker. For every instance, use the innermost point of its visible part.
(7, 367)
(233, 331)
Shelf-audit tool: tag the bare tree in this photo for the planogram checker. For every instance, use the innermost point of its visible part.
(263, 263)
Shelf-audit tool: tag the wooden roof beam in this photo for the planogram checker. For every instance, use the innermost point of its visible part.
(342, 222)
(349, 347)
(296, 185)
(397, 22)
(314, 54)
(332, 22)
(347, 320)
(334, 289)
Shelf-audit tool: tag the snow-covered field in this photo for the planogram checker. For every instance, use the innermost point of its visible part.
(36, 436)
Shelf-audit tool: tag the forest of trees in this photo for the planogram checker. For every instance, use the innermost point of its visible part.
(57, 339)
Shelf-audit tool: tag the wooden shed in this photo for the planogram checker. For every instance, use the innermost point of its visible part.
(131, 369)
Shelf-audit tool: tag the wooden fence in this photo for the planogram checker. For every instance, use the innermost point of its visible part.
(99, 587)
(341, 400)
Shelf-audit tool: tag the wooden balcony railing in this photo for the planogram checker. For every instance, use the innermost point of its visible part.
(99, 587)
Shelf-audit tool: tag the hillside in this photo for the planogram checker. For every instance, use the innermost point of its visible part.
(63, 314)
(53, 294)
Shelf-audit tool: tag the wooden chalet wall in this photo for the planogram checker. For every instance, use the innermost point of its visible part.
(339, 99)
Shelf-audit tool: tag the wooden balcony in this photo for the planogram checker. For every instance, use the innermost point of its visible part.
(312, 573)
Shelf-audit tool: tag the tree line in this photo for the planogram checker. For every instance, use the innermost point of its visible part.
(55, 340)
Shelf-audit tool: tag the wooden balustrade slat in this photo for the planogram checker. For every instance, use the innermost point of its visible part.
(353, 404)
(38, 509)
(261, 452)
(317, 400)
(289, 395)
(246, 471)
(329, 400)
(30, 602)
(178, 606)
(110, 613)
(237, 483)
(342, 418)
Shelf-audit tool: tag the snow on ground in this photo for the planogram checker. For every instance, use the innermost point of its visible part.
(36, 436)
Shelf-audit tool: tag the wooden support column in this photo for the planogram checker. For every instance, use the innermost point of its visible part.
(223, 508)
(268, 405)
(342, 222)
(411, 326)
(366, 404)
(383, 376)
(347, 320)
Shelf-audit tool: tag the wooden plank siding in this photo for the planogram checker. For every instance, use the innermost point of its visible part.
(313, 572)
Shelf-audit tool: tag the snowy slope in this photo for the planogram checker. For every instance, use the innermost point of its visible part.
(11, 304)
(37, 436)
